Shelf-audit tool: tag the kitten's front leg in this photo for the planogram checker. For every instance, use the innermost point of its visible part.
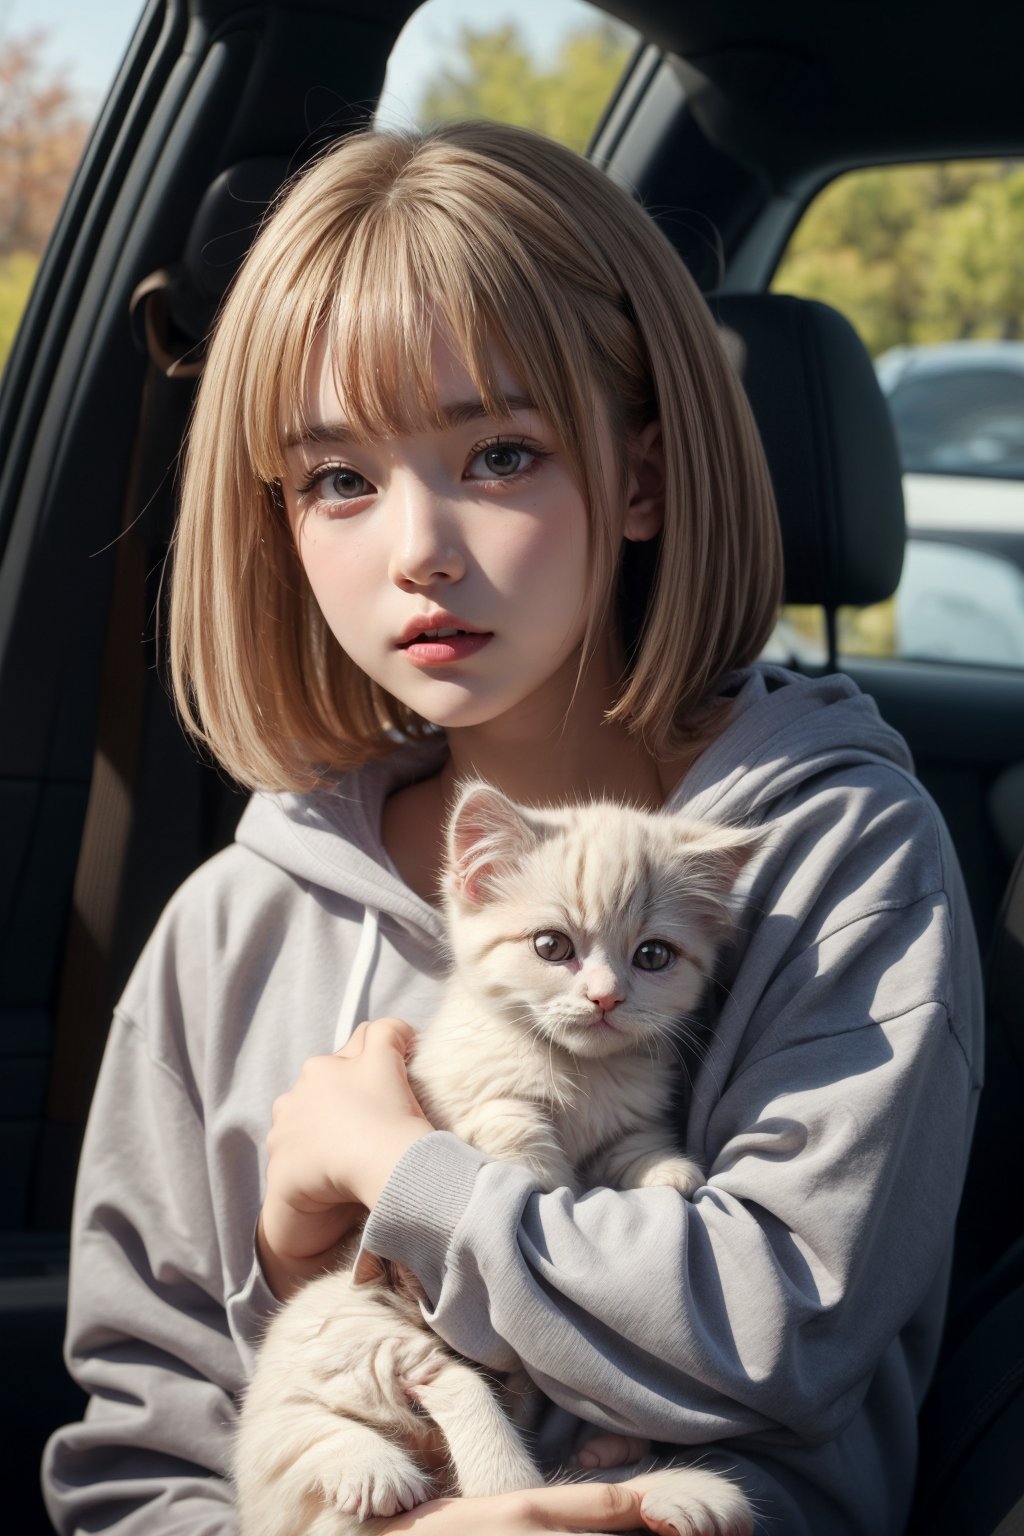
(517, 1131)
(644, 1160)
(486, 1453)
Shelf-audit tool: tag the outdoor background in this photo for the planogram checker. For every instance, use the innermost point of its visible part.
(909, 254)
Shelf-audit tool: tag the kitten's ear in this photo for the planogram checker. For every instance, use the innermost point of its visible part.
(487, 836)
(721, 852)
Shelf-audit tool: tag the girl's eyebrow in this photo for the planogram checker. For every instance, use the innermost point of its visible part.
(457, 414)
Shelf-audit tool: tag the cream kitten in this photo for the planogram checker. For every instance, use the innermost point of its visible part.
(580, 941)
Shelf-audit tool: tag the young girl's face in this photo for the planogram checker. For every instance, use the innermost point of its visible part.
(476, 527)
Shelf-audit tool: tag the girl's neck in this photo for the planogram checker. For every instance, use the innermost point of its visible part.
(605, 763)
(595, 760)
(559, 746)
(553, 750)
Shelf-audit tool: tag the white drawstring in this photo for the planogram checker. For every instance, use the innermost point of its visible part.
(356, 988)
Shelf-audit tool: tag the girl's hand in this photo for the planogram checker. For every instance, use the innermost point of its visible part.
(335, 1138)
(572, 1507)
(610, 1450)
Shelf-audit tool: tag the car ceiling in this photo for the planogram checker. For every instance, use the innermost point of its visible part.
(790, 89)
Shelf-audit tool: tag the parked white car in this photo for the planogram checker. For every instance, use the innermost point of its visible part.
(958, 410)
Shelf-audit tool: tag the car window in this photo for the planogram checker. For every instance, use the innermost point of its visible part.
(924, 261)
(57, 60)
(550, 65)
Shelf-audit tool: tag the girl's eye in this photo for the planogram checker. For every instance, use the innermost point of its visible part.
(501, 460)
(555, 947)
(653, 955)
(336, 482)
(346, 484)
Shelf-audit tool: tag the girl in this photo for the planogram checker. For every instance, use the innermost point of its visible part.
(461, 388)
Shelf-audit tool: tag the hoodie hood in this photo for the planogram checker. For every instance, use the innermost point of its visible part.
(331, 837)
(784, 728)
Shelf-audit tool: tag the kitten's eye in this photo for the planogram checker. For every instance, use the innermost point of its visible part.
(553, 946)
(653, 955)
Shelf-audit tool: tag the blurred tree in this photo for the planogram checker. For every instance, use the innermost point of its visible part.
(976, 285)
(916, 253)
(495, 75)
(16, 274)
(41, 135)
(42, 131)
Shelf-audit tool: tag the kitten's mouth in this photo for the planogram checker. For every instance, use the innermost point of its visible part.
(600, 1021)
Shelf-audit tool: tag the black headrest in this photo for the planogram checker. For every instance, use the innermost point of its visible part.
(829, 442)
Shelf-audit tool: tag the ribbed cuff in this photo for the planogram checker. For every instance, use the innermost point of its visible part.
(250, 1310)
(421, 1205)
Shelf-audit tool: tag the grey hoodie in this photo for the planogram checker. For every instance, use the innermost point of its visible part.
(783, 1324)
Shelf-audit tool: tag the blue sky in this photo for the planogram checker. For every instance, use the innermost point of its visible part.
(88, 37)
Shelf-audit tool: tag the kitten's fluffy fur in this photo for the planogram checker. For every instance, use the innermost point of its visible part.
(562, 1064)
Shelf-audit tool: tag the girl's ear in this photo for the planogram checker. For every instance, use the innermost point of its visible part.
(645, 509)
(487, 837)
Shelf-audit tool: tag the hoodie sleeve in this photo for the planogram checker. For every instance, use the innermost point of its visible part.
(148, 1333)
(837, 1144)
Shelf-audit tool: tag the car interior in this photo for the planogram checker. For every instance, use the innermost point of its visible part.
(727, 123)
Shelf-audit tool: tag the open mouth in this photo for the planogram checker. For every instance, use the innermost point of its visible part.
(428, 635)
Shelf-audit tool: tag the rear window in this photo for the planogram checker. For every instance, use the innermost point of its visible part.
(550, 65)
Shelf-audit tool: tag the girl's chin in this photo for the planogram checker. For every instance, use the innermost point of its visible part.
(453, 707)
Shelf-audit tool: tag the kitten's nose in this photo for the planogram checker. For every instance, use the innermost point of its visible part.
(606, 1004)
(603, 990)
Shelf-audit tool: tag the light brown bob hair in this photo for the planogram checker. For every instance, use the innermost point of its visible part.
(513, 243)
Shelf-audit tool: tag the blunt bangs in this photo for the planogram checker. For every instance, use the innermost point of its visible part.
(419, 259)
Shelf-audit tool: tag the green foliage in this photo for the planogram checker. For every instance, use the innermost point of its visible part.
(16, 274)
(495, 75)
(916, 253)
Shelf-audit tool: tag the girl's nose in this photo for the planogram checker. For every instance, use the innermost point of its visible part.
(426, 547)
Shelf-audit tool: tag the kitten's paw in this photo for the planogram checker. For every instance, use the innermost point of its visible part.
(680, 1173)
(550, 1173)
(376, 1485)
(690, 1502)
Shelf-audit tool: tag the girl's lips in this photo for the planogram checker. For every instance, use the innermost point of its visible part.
(434, 653)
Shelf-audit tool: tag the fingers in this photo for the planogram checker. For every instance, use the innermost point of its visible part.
(577, 1507)
(611, 1450)
(586, 1507)
(379, 1034)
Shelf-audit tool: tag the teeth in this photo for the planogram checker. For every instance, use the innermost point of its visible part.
(440, 634)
